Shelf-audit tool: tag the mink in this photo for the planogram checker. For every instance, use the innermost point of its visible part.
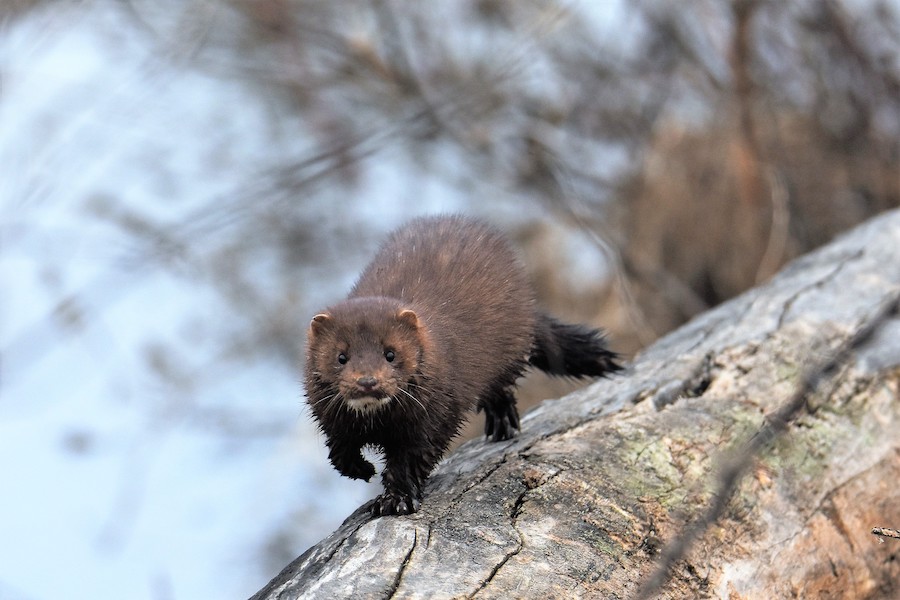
(441, 322)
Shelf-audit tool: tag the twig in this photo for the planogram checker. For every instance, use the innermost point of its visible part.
(883, 532)
(779, 230)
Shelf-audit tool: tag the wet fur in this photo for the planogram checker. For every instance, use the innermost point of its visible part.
(448, 298)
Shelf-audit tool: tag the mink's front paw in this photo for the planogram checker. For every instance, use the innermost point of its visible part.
(361, 470)
(356, 469)
(394, 503)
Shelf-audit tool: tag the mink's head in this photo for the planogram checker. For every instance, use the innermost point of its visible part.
(364, 353)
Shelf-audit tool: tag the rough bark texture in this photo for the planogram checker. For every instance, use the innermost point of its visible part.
(581, 502)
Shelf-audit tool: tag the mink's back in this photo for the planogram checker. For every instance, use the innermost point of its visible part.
(466, 284)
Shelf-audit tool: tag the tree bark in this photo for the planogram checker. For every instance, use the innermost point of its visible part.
(584, 501)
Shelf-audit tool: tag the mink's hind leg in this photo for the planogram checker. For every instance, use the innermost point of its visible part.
(501, 418)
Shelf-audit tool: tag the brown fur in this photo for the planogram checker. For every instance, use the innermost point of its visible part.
(442, 321)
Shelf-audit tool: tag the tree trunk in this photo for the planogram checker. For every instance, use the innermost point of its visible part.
(584, 502)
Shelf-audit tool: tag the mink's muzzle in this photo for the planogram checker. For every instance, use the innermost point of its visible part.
(367, 382)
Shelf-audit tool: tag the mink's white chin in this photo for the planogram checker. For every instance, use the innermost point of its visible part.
(367, 404)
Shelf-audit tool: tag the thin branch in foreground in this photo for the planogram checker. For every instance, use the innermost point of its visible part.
(775, 424)
(883, 532)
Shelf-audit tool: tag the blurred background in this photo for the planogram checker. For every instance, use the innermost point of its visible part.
(184, 183)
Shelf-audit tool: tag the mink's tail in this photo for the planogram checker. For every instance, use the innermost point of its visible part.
(568, 350)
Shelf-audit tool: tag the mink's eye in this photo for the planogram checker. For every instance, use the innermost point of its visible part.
(342, 358)
(389, 355)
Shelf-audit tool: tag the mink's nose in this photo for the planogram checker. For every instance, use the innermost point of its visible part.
(367, 383)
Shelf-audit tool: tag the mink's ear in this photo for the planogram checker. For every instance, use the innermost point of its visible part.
(319, 324)
(409, 318)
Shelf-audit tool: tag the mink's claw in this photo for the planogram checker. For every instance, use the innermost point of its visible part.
(392, 503)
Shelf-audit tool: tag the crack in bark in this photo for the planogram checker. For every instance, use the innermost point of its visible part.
(513, 516)
(520, 453)
(498, 566)
(832, 513)
(699, 376)
(517, 506)
(396, 583)
(789, 302)
(428, 537)
(515, 511)
(457, 498)
(706, 332)
(338, 546)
